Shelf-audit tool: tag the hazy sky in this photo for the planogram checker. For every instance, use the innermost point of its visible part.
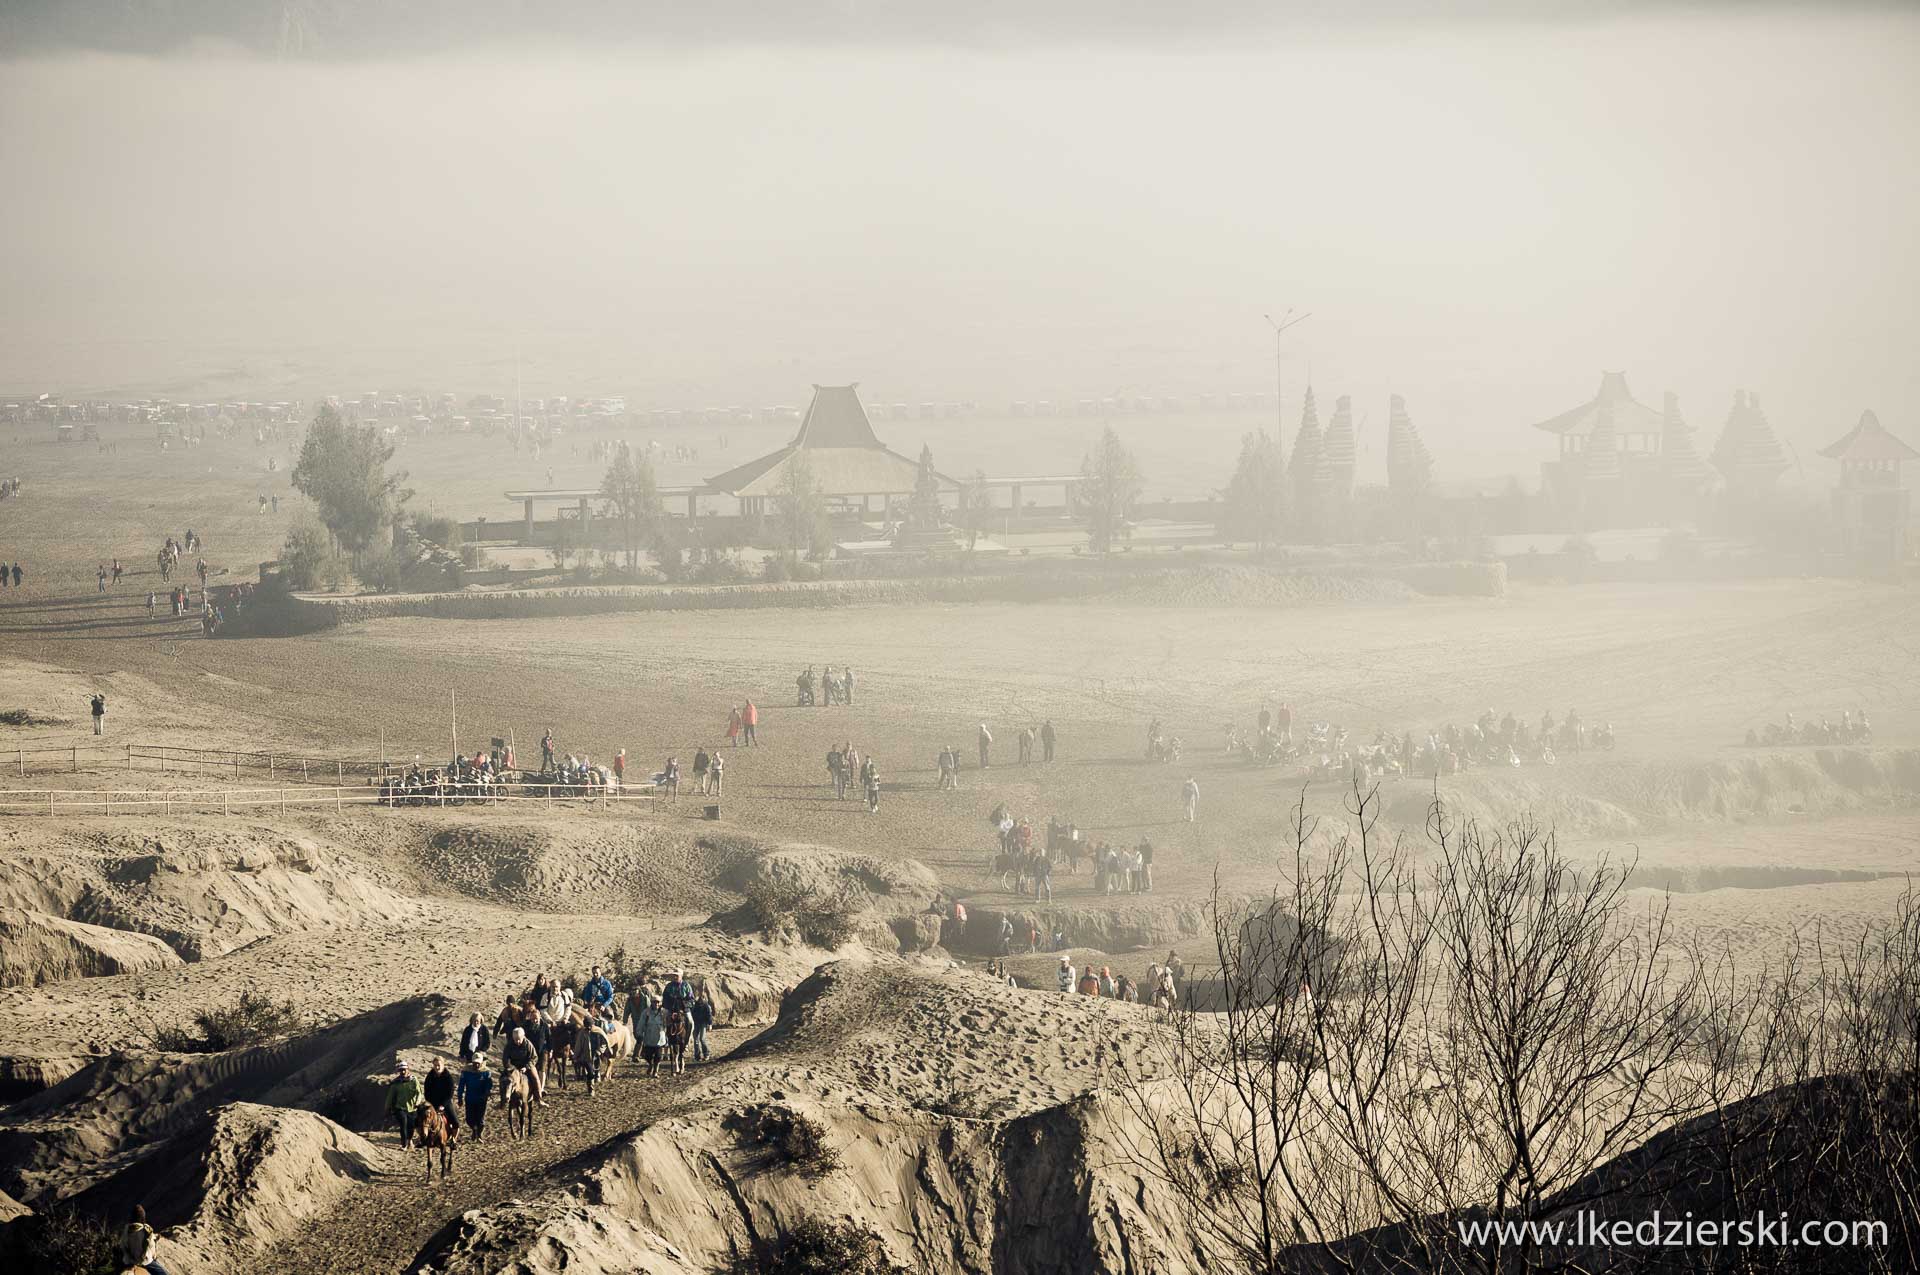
(1481, 217)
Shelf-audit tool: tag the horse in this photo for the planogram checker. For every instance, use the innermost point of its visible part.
(560, 1043)
(519, 1104)
(679, 1031)
(435, 1132)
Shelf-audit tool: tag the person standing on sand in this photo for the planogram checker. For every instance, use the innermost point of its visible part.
(16, 575)
(1046, 740)
(1025, 740)
(733, 726)
(871, 773)
(152, 599)
(986, 743)
(701, 1016)
(846, 685)
(103, 578)
(620, 770)
(713, 772)
(750, 723)
(99, 705)
(1067, 978)
(546, 752)
(1191, 792)
(476, 1086)
(700, 763)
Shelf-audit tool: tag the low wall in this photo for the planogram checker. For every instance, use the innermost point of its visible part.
(302, 615)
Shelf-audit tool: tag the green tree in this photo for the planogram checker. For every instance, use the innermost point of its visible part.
(1107, 497)
(800, 511)
(976, 508)
(632, 499)
(343, 468)
(307, 556)
(1256, 496)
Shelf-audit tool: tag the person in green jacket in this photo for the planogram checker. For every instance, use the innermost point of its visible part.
(404, 1103)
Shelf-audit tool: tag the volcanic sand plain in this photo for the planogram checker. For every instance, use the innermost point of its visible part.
(346, 913)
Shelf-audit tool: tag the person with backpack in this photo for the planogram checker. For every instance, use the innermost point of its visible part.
(137, 1244)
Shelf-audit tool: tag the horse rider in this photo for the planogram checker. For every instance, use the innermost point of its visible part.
(520, 1055)
(598, 993)
(678, 993)
(437, 1089)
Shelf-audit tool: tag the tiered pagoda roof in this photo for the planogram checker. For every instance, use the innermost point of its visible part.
(1337, 447)
(1869, 442)
(1684, 464)
(1309, 463)
(838, 445)
(1630, 415)
(1747, 452)
(1409, 464)
(1601, 458)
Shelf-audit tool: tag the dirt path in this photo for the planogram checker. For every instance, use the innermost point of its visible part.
(382, 1226)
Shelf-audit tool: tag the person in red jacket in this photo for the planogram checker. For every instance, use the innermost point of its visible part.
(750, 722)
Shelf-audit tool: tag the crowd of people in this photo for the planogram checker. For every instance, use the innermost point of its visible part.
(1852, 728)
(837, 688)
(849, 771)
(549, 1026)
(1023, 867)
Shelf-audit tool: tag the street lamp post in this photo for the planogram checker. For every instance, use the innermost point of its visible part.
(1280, 327)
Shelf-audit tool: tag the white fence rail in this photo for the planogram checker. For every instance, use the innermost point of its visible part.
(96, 801)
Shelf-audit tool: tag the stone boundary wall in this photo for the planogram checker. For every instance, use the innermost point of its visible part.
(306, 614)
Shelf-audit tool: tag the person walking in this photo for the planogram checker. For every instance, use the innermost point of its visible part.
(1026, 746)
(650, 1033)
(1043, 880)
(475, 1087)
(750, 722)
(837, 770)
(99, 704)
(1046, 740)
(152, 601)
(701, 1016)
(700, 763)
(846, 685)
(103, 578)
(1191, 792)
(986, 743)
(403, 1102)
(475, 1039)
(872, 777)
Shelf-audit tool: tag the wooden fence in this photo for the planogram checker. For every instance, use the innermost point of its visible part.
(97, 801)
